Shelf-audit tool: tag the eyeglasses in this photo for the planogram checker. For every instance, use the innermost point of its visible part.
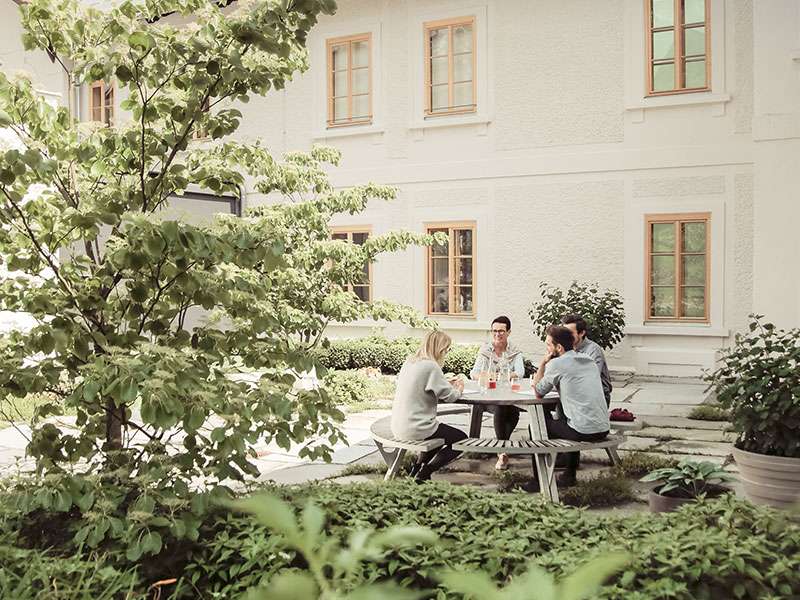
(499, 332)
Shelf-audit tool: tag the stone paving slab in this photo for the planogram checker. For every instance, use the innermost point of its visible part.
(699, 448)
(670, 393)
(684, 423)
(345, 456)
(624, 393)
(657, 410)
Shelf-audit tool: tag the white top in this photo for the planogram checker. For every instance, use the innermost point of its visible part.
(420, 387)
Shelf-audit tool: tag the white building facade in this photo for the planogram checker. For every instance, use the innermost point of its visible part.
(651, 146)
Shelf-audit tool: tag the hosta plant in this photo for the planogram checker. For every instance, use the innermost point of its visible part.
(689, 479)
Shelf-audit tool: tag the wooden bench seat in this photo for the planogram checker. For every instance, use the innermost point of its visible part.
(529, 447)
(381, 432)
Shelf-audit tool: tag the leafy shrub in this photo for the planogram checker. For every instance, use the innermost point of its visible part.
(347, 387)
(689, 479)
(758, 382)
(636, 464)
(35, 574)
(707, 412)
(726, 548)
(460, 358)
(601, 309)
(396, 353)
(605, 489)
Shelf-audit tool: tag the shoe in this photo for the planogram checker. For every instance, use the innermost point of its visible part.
(502, 463)
(423, 474)
(566, 479)
(532, 487)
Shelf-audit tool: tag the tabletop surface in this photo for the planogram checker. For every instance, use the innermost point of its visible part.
(504, 396)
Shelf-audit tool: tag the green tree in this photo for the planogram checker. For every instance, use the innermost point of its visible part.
(85, 202)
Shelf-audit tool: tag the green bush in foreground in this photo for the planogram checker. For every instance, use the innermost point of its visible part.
(720, 549)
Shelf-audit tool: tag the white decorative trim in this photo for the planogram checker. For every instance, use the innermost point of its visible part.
(348, 131)
(680, 100)
(795, 55)
(678, 329)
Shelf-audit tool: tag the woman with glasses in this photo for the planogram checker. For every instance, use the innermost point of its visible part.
(421, 385)
(496, 352)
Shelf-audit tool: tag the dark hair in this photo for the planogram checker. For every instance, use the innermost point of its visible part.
(504, 320)
(580, 323)
(561, 335)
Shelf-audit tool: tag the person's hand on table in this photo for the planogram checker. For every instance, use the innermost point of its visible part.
(457, 384)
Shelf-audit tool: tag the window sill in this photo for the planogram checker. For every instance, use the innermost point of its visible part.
(457, 120)
(682, 99)
(349, 131)
(678, 329)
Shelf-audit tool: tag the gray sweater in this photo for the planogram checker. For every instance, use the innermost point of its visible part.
(420, 387)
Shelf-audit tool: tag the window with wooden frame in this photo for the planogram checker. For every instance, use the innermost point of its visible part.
(101, 102)
(678, 267)
(678, 46)
(362, 289)
(350, 80)
(451, 270)
(450, 66)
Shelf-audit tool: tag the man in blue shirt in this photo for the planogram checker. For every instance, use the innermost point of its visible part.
(577, 379)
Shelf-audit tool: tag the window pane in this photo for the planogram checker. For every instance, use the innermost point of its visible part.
(361, 81)
(339, 236)
(360, 54)
(439, 300)
(663, 237)
(693, 302)
(694, 11)
(662, 302)
(694, 269)
(360, 106)
(663, 13)
(694, 41)
(340, 109)
(339, 57)
(663, 44)
(437, 249)
(365, 275)
(694, 237)
(340, 83)
(464, 299)
(97, 103)
(464, 242)
(663, 77)
(360, 238)
(462, 94)
(441, 270)
(462, 67)
(439, 99)
(462, 38)
(663, 270)
(362, 291)
(695, 74)
(439, 70)
(464, 271)
(109, 105)
(439, 41)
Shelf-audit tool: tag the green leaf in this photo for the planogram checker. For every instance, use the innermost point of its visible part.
(585, 582)
(287, 586)
(272, 513)
(140, 39)
(471, 584)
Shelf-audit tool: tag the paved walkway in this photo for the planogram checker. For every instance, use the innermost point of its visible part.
(662, 406)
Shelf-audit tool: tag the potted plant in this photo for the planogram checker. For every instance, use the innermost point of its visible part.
(758, 383)
(686, 482)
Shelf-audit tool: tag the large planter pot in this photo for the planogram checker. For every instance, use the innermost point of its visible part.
(771, 480)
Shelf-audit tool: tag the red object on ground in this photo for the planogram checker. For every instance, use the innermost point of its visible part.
(621, 414)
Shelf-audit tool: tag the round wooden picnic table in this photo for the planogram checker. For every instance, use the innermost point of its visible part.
(480, 400)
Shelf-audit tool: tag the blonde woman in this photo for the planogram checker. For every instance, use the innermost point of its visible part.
(420, 387)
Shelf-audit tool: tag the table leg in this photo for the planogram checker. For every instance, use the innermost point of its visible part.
(476, 421)
(544, 463)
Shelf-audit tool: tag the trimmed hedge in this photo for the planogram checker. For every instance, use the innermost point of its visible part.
(389, 355)
(721, 549)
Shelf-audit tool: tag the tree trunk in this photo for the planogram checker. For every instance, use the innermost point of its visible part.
(115, 416)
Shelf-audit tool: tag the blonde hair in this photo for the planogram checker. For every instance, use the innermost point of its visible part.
(434, 347)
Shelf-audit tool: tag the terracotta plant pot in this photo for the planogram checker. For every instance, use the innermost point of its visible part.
(771, 480)
(659, 503)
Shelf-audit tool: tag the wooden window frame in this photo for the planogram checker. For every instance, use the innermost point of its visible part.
(350, 230)
(450, 24)
(451, 226)
(104, 109)
(677, 219)
(678, 58)
(329, 45)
